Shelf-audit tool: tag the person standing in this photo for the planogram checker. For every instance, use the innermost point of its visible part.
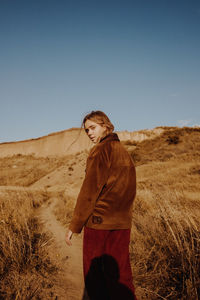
(104, 209)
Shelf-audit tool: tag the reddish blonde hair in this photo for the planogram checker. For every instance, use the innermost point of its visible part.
(100, 118)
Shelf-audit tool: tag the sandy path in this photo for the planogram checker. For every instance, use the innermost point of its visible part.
(69, 257)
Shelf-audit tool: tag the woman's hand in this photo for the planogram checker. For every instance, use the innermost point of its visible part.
(68, 237)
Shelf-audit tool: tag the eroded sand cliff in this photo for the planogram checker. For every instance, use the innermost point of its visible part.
(67, 142)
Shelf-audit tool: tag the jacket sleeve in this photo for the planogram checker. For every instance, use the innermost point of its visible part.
(97, 170)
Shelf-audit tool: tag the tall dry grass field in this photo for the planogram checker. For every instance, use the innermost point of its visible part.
(165, 247)
(26, 271)
(165, 236)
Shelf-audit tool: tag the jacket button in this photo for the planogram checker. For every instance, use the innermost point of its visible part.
(97, 220)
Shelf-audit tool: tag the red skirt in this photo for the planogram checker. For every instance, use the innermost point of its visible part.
(106, 264)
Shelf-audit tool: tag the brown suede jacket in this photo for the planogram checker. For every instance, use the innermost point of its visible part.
(108, 190)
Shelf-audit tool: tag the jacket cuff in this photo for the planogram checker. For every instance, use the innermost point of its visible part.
(76, 227)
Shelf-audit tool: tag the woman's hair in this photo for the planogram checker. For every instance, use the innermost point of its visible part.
(100, 118)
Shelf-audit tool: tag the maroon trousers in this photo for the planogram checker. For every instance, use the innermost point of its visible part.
(106, 264)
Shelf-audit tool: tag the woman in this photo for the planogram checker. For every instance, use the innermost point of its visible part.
(104, 209)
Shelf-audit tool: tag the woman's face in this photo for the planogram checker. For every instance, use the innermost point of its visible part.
(94, 131)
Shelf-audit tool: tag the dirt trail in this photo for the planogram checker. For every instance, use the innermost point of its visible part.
(68, 257)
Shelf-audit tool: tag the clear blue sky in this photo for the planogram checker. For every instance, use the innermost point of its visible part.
(138, 61)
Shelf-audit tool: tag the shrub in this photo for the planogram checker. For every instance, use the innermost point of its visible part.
(174, 139)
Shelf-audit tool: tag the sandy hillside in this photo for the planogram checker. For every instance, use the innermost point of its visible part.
(66, 142)
(167, 163)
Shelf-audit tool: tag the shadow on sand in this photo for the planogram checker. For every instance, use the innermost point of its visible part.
(102, 281)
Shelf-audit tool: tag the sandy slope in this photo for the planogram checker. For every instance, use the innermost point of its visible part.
(60, 143)
(66, 142)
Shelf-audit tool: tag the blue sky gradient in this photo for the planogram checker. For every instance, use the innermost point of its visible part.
(138, 61)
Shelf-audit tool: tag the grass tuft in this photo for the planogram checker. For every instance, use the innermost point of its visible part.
(26, 271)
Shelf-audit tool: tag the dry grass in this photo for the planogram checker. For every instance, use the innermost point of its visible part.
(26, 271)
(165, 244)
(63, 209)
(171, 144)
(165, 248)
(24, 170)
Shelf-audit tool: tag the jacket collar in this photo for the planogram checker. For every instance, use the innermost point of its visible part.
(110, 137)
